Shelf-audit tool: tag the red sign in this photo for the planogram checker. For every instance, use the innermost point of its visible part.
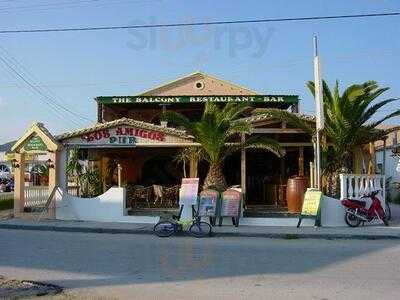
(122, 135)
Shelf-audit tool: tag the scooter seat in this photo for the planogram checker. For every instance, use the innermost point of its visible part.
(359, 202)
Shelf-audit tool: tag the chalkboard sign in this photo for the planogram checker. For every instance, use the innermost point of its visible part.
(208, 203)
(230, 206)
(311, 206)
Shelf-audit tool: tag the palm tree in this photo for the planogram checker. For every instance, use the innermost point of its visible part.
(218, 132)
(191, 155)
(349, 121)
(74, 167)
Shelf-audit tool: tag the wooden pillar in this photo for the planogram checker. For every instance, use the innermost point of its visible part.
(384, 158)
(193, 166)
(243, 170)
(301, 161)
(282, 169)
(19, 184)
(53, 180)
(119, 169)
(372, 160)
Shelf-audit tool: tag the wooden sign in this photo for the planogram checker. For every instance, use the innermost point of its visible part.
(35, 144)
(208, 203)
(311, 206)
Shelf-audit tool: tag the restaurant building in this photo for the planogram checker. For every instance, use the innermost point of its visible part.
(133, 146)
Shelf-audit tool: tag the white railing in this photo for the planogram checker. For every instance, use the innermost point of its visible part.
(73, 190)
(6, 195)
(354, 186)
(36, 195)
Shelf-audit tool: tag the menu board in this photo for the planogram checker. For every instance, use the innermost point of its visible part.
(312, 199)
(230, 203)
(208, 203)
(188, 191)
(311, 206)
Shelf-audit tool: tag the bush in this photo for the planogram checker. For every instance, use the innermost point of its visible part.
(6, 204)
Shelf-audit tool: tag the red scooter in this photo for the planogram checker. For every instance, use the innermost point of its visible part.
(356, 211)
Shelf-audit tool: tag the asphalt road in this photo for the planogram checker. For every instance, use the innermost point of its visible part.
(104, 266)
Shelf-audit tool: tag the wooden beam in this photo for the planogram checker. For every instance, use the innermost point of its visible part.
(301, 161)
(278, 130)
(19, 184)
(243, 170)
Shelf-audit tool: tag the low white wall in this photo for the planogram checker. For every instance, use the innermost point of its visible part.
(332, 212)
(108, 207)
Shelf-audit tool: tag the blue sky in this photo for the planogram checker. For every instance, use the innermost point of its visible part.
(75, 67)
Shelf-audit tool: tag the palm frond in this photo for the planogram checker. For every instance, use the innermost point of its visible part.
(179, 120)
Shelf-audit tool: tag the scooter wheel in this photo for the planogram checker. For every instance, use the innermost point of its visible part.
(352, 220)
(385, 221)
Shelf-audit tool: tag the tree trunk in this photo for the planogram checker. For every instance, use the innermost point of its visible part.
(215, 178)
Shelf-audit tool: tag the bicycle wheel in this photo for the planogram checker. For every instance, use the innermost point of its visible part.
(200, 229)
(164, 229)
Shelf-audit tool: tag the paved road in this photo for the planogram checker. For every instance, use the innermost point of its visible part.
(145, 267)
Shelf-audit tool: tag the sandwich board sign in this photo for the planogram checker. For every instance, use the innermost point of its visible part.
(230, 206)
(208, 203)
(188, 196)
(311, 206)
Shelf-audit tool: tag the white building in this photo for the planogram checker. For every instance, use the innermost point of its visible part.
(388, 161)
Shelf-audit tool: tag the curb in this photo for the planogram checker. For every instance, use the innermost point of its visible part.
(148, 231)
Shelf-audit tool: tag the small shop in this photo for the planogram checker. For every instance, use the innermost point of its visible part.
(128, 166)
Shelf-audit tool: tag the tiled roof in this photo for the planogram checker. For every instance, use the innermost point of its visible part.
(40, 129)
(127, 122)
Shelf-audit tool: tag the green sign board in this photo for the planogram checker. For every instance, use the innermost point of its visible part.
(289, 99)
(35, 144)
(311, 206)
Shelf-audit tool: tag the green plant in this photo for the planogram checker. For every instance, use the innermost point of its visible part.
(218, 132)
(91, 182)
(6, 204)
(349, 122)
(189, 155)
(74, 167)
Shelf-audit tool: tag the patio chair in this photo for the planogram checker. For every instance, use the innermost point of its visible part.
(141, 194)
(171, 195)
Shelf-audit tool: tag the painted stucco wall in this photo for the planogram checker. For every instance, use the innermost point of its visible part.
(108, 207)
(390, 169)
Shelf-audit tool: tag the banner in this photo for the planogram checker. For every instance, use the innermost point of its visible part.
(291, 99)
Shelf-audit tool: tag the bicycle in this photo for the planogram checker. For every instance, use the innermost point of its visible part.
(197, 228)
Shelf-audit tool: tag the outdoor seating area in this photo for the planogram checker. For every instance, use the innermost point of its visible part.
(154, 196)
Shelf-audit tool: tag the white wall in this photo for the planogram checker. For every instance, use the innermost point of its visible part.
(390, 169)
(108, 207)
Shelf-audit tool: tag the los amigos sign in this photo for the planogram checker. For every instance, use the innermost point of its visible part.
(121, 136)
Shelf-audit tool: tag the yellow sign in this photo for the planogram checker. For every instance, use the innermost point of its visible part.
(312, 200)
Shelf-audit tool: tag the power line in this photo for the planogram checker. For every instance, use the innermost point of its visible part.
(45, 90)
(52, 103)
(46, 30)
(43, 97)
